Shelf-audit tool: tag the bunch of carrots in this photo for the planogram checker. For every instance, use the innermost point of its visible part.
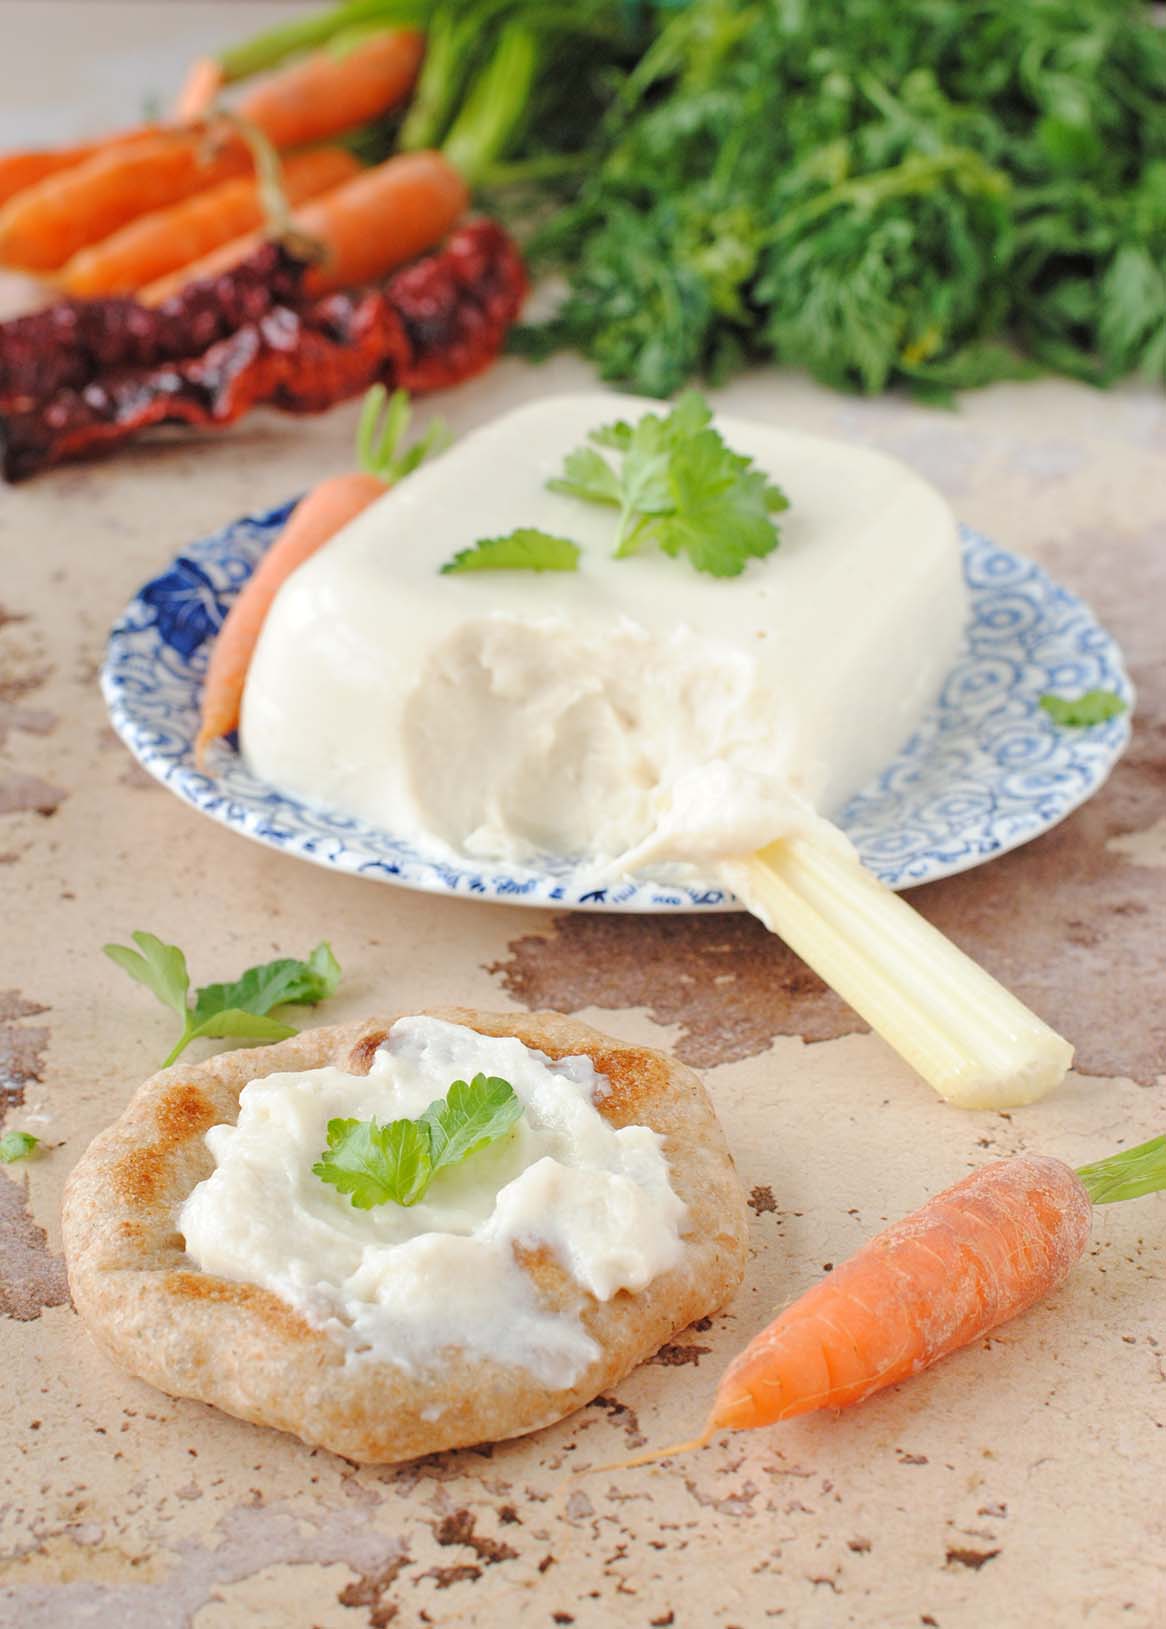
(148, 210)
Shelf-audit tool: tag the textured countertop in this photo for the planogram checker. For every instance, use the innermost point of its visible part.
(1023, 1482)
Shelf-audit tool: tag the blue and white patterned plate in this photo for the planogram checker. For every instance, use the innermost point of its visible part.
(987, 771)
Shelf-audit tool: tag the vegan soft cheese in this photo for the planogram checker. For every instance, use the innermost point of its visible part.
(405, 1284)
(633, 708)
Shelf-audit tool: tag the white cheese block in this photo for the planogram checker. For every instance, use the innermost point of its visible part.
(635, 709)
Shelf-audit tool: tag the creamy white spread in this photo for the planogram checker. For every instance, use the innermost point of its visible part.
(407, 1284)
(633, 711)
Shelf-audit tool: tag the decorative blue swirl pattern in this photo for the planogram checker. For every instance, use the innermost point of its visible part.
(987, 770)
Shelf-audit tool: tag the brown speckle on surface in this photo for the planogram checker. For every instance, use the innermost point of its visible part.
(676, 1357)
(29, 794)
(29, 720)
(761, 1200)
(368, 1590)
(970, 1558)
(15, 1005)
(446, 1577)
(31, 1276)
(22, 1049)
(458, 1529)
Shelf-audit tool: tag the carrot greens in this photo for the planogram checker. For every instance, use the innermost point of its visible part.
(921, 193)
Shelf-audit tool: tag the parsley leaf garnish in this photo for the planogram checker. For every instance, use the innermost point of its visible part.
(1079, 712)
(240, 1008)
(677, 485)
(16, 1145)
(524, 549)
(375, 1164)
(395, 1163)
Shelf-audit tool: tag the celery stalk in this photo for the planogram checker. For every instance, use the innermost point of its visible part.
(976, 1044)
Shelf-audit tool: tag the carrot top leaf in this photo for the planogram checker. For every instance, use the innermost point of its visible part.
(384, 423)
(1128, 1174)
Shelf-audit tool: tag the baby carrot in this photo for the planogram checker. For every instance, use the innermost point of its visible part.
(966, 1261)
(166, 239)
(21, 170)
(203, 82)
(46, 224)
(330, 91)
(314, 521)
(365, 228)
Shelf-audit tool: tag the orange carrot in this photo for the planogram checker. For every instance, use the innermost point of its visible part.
(46, 224)
(167, 239)
(972, 1257)
(329, 91)
(966, 1261)
(21, 170)
(365, 228)
(203, 82)
(314, 521)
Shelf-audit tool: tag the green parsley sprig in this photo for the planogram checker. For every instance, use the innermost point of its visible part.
(17, 1145)
(1080, 712)
(524, 549)
(240, 1008)
(678, 486)
(395, 1163)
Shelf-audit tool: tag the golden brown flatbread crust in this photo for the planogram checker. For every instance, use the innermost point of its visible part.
(245, 1350)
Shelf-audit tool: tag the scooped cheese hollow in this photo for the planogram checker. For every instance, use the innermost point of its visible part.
(634, 707)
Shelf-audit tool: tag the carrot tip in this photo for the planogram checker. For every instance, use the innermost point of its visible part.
(652, 1456)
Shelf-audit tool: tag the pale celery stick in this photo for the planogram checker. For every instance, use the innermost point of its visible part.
(976, 1044)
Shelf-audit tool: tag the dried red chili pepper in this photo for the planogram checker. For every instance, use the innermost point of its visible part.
(68, 344)
(435, 323)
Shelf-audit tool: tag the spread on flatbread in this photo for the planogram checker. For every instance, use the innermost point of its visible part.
(210, 1258)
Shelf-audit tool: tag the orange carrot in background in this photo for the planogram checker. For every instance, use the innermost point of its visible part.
(203, 82)
(331, 91)
(167, 239)
(365, 228)
(314, 521)
(21, 170)
(46, 224)
(976, 1255)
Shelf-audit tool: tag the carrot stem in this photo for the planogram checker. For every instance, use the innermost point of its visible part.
(384, 422)
(1128, 1174)
(496, 105)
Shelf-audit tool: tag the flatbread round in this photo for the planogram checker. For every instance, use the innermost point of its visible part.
(244, 1349)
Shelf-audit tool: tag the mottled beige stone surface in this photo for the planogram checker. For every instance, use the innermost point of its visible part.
(1022, 1483)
